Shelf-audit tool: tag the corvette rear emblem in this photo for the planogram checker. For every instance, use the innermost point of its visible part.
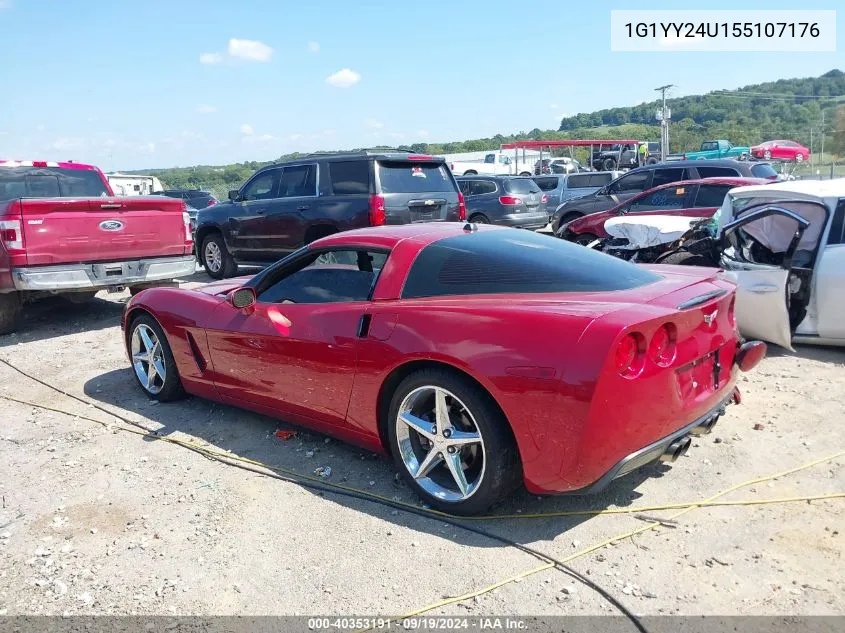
(709, 318)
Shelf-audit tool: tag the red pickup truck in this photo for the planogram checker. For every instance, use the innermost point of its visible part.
(63, 231)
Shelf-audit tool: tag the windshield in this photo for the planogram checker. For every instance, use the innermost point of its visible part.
(405, 177)
(50, 182)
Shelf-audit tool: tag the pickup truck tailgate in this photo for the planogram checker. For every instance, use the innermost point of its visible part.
(73, 230)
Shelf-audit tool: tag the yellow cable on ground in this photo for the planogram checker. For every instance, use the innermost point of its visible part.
(613, 539)
(194, 446)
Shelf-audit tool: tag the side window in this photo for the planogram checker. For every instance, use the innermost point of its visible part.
(717, 172)
(262, 187)
(598, 180)
(633, 182)
(465, 186)
(711, 195)
(665, 176)
(666, 198)
(298, 181)
(350, 177)
(837, 227)
(480, 187)
(338, 276)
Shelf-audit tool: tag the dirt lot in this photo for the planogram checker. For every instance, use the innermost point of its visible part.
(98, 521)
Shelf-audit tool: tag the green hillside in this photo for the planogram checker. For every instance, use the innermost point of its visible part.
(789, 108)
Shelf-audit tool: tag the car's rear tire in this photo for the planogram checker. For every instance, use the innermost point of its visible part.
(216, 259)
(470, 172)
(480, 218)
(683, 258)
(151, 357)
(10, 312)
(476, 447)
(525, 173)
(569, 217)
(608, 164)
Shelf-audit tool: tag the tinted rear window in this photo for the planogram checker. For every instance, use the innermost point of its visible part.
(763, 170)
(711, 195)
(516, 261)
(600, 180)
(50, 182)
(406, 177)
(546, 184)
(579, 181)
(521, 185)
(350, 177)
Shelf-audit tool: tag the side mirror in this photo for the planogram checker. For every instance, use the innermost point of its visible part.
(234, 194)
(242, 298)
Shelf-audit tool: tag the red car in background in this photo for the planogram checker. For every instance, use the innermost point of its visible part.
(694, 198)
(430, 342)
(781, 150)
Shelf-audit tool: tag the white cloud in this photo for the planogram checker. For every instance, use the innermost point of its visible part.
(343, 78)
(328, 132)
(374, 124)
(263, 138)
(554, 106)
(296, 137)
(149, 148)
(5, 4)
(250, 50)
(40, 127)
(109, 142)
(246, 129)
(206, 109)
(422, 133)
(313, 47)
(396, 135)
(67, 143)
(211, 58)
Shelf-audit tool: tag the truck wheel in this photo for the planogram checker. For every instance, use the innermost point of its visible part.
(524, 173)
(10, 312)
(216, 259)
(470, 172)
(609, 164)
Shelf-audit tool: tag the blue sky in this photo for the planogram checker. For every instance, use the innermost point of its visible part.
(130, 85)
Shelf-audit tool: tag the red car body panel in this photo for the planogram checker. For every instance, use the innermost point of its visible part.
(778, 150)
(546, 359)
(594, 224)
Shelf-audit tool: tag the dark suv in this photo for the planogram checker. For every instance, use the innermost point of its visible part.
(507, 200)
(194, 198)
(287, 205)
(650, 176)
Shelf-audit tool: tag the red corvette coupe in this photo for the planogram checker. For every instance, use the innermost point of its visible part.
(476, 356)
(783, 150)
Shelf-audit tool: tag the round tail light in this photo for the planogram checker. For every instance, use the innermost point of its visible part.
(629, 354)
(663, 346)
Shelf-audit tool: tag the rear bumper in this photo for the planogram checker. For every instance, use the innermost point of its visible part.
(524, 220)
(653, 451)
(102, 275)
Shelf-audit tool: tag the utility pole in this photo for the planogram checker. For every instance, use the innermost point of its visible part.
(664, 123)
(822, 152)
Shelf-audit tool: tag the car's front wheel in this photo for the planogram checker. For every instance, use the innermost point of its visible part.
(799, 158)
(152, 360)
(609, 164)
(216, 259)
(451, 442)
(767, 155)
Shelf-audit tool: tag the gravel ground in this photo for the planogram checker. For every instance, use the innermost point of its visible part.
(99, 521)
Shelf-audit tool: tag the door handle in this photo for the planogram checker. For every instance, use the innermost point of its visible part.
(111, 205)
(762, 289)
(303, 207)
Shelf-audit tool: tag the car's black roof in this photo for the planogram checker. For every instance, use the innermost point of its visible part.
(380, 153)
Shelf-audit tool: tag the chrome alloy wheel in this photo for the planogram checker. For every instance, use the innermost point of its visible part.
(213, 257)
(440, 444)
(148, 359)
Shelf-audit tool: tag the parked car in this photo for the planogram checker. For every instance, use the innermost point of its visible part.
(562, 165)
(567, 186)
(63, 232)
(284, 206)
(624, 156)
(711, 150)
(781, 150)
(649, 176)
(496, 163)
(363, 335)
(784, 245)
(507, 200)
(193, 197)
(691, 198)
